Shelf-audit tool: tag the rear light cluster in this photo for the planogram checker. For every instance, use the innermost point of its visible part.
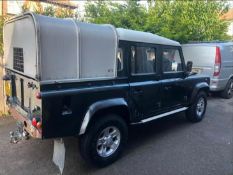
(218, 61)
(38, 95)
(36, 123)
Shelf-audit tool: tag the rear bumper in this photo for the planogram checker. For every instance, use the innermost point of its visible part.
(27, 125)
(218, 84)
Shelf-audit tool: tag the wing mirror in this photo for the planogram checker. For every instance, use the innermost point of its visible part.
(189, 66)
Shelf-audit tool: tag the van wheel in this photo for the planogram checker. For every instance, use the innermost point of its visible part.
(104, 140)
(197, 110)
(228, 91)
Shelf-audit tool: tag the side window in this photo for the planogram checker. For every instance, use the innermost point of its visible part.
(143, 60)
(119, 59)
(171, 60)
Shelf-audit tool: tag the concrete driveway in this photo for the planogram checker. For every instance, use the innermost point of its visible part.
(169, 146)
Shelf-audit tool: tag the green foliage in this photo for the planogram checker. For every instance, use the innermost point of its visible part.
(129, 15)
(50, 10)
(180, 20)
(2, 19)
(188, 20)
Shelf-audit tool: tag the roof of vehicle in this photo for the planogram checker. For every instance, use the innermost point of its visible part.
(71, 43)
(211, 43)
(123, 34)
(145, 37)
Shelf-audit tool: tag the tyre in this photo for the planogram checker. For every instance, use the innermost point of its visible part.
(104, 140)
(197, 110)
(228, 91)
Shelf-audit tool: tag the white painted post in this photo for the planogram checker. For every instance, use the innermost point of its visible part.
(59, 154)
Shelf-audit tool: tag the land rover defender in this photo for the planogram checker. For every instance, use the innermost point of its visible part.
(69, 78)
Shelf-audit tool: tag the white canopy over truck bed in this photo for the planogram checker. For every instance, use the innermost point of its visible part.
(53, 49)
(56, 50)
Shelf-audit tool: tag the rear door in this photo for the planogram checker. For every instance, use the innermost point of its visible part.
(23, 93)
(202, 56)
(227, 62)
(21, 63)
(144, 80)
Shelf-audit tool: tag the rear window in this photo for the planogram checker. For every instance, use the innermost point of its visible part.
(200, 55)
(18, 61)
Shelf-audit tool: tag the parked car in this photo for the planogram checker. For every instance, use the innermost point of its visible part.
(214, 59)
(70, 78)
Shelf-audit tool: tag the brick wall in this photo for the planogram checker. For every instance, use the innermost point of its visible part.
(4, 7)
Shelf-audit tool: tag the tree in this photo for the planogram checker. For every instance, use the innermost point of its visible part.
(181, 20)
(188, 20)
(2, 20)
(1, 36)
(50, 10)
(129, 15)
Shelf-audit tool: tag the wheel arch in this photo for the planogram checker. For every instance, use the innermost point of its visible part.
(118, 106)
(231, 77)
(203, 86)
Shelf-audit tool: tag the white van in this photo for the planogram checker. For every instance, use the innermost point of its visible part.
(214, 59)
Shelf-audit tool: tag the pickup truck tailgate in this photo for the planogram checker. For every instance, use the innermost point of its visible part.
(21, 92)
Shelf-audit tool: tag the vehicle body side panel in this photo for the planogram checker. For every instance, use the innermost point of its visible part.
(226, 69)
(65, 105)
(186, 89)
(203, 58)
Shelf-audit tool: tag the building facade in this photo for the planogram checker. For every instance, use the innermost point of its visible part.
(229, 17)
(14, 7)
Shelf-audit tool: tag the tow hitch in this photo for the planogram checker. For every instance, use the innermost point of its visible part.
(18, 134)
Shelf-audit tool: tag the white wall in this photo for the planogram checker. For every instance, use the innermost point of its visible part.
(230, 29)
(14, 7)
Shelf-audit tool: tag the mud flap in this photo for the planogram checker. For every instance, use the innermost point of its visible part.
(59, 154)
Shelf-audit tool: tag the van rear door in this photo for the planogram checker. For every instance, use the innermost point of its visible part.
(203, 58)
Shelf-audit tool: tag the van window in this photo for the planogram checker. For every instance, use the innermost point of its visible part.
(143, 60)
(171, 60)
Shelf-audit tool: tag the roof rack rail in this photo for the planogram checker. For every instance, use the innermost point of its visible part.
(214, 41)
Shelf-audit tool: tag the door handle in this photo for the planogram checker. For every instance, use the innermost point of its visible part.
(138, 91)
(167, 87)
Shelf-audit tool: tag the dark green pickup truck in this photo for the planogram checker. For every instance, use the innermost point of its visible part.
(69, 78)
